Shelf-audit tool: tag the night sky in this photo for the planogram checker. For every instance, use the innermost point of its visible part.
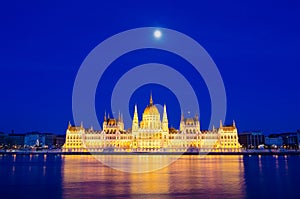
(255, 45)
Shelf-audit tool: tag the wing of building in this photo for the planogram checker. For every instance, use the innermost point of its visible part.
(151, 134)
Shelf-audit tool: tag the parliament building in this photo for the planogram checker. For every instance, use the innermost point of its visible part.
(151, 134)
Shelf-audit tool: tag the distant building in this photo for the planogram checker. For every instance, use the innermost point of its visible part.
(59, 140)
(50, 139)
(298, 136)
(290, 139)
(2, 139)
(34, 139)
(251, 139)
(31, 139)
(15, 140)
(275, 141)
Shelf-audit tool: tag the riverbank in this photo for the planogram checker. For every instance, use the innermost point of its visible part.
(244, 152)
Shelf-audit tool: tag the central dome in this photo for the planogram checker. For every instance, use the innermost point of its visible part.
(151, 108)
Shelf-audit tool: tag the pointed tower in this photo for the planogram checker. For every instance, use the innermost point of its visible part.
(233, 124)
(104, 122)
(221, 124)
(165, 124)
(120, 122)
(135, 121)
(182, 124)
(69, 125)
(197, 117)
(197, 122)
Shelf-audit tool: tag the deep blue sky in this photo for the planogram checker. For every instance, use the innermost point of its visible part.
(255, 45)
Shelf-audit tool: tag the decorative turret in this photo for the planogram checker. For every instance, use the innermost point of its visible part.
(197, 122)
(196, 117)
(104, 116)
(221, 124)
(182, 123)
(120, 121)
(104, 121)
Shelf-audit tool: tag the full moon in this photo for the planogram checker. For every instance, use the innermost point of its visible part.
(157, 34)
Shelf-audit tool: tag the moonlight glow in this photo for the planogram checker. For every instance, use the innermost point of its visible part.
(157, 34)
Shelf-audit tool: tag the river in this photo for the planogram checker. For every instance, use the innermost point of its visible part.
(190, 176)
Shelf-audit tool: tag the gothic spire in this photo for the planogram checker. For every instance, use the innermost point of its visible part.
(165, 117)
(135, 115)
(165, 123)
(151, 100)
(135, 121)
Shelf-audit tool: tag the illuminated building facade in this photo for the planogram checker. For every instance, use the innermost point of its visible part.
(228, 137)
(151, 134)
(74, 138)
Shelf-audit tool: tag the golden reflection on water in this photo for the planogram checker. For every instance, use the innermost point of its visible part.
(137, 163)
(211, 176)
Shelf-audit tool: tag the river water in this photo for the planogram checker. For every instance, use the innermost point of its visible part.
(75, 176)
